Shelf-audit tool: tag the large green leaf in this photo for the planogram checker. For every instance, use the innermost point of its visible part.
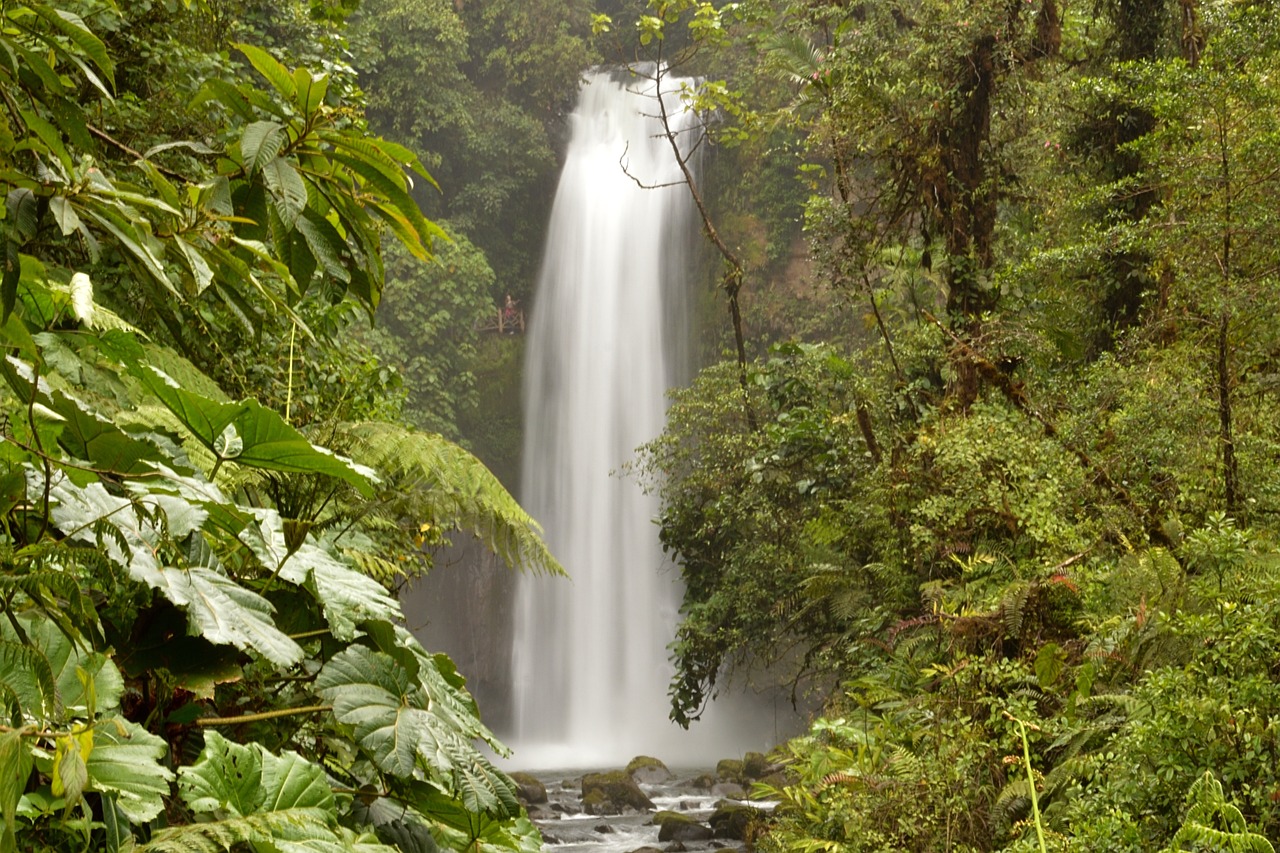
(269, 67)
(81, 676)
(347, 596)
(225, 780)
(260, 142)
(89, 436)
(265, 440)
(73, 27)
(407, 735)
(225, 613)
(287, 188)
(15, 768)
(281, 801)
(134, 240)
(375, 696)
(325, 243)
(221, 836)
(126, 761)
(463, 828)
(218, 608)
(235, 780)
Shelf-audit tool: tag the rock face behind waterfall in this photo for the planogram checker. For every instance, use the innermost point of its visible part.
(464, 609)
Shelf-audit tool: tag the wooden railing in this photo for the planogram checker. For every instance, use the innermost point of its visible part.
(504, 321)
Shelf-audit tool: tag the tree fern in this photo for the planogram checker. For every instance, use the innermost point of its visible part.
(440, 483)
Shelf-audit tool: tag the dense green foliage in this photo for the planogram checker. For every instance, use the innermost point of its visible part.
(1014, 503)
(184, 553)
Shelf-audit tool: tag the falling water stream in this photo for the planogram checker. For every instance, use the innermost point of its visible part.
(606, 341)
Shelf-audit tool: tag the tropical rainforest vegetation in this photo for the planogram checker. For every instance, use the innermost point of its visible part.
(1001, 491)
(211, 485)
(983, 458)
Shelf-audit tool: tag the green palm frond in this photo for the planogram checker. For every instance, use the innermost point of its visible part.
(438, 482)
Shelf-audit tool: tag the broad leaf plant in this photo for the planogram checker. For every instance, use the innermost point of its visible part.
(191, 656)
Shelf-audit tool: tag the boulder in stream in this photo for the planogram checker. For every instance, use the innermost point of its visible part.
(734, 820)
(649, 771)
(729, 770)
(674, 826)
(614, 792)
(529, 789)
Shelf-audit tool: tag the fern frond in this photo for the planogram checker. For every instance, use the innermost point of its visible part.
(1013, 802)
(1013, 608)
(903, 764)
(1125, 704)
(383, 571)
(1065, 773)
(443, 484)
(26, 671)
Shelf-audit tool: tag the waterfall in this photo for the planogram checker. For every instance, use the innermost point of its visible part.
(606, 336)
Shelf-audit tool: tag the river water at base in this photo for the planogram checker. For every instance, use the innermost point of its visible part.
(566, 828)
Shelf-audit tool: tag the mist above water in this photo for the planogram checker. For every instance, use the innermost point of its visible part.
(607, 339)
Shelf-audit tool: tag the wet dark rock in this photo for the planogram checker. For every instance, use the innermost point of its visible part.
(649, 771)
(734, 820)
(674, 826)
(614, 792)
(604, 829)
(677, 847)
(647, 850)
(702, 782)
(529, 788)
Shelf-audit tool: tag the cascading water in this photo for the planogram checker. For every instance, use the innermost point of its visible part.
(590, 662)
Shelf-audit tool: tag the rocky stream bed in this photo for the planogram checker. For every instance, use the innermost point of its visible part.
(648, 808)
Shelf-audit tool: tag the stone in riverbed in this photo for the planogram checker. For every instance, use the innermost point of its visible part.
(729, 770)
(703, 781)
(649, 771)
(529, 788)
(674, 826)
(733, 820)
(614, 792)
